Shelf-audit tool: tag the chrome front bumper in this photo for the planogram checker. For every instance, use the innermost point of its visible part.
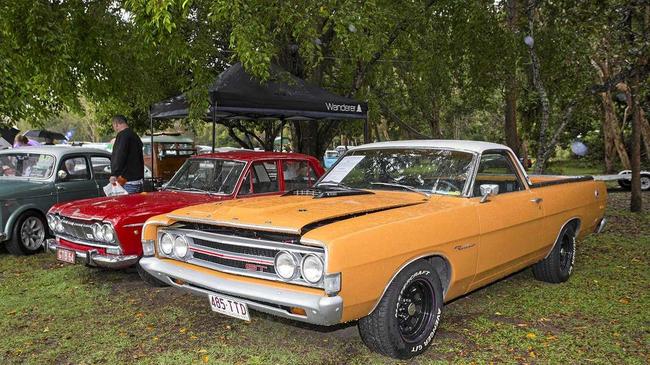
(93, 258)
(601, 225)
(319, 309)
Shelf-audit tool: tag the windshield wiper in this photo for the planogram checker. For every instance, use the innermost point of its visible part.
(405, 187)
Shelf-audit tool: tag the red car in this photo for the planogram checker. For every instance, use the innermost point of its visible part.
(106, 231)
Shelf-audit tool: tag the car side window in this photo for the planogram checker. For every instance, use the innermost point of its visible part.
(261, 178)
(101, 167)
(298, 175)
(496, 168)
(76, 168)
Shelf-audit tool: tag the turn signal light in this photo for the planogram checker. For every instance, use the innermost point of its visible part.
(298, 311)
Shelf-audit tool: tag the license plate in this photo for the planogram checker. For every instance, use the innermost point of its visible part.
(229, 306)
(65, 255)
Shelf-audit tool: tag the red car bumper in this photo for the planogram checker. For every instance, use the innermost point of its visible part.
(91, 256)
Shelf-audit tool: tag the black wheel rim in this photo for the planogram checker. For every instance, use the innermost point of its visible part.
(415, 310)
(566, 252)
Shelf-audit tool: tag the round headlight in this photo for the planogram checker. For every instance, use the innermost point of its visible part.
(286, 265)
(58, 224)
(180, 247)
(51, 221)
(109, 233)
(312, 269)
(98, 232)
(166, 244)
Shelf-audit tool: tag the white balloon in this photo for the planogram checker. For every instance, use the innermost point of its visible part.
(530, 42)
(579, 148)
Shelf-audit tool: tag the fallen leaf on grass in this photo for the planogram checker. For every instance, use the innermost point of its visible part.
(139, 315)
(531, 336)
(205, 359)
(532, 354)
(46, 329)
(624, 300)
(193, 337)
(182, 330)
(11, 312)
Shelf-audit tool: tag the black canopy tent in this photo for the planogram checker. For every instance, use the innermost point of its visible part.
(237, 95)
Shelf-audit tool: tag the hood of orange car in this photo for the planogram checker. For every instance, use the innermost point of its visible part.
(293, 214)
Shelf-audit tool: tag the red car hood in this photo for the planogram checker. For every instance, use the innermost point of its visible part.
(132, 209)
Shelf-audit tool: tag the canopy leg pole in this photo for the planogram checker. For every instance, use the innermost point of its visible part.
(366, 132)
(214, 125)
(281, 135)
(153, 174)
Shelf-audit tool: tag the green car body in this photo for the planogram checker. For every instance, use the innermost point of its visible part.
(24, 200)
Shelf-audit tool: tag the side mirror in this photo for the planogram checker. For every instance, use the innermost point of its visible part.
(488, 190)
(62, 175)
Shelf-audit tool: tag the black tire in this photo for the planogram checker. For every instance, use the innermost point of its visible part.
(407, 316)
(28, 234)
(625, 184)
(148, 278)
(557, 267)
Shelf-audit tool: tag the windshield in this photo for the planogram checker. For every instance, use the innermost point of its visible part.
(430, 171)
(32, 165)
(209, 175)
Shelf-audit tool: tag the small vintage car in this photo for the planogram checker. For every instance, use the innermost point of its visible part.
(32, 179)
(106, 231)
(389, 234)
(330, 157)
(169, 151)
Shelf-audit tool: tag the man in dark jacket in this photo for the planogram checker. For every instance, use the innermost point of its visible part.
(127, 162)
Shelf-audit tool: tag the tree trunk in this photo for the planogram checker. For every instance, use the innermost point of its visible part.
(511, 134)
(434, 121)
(645, 133)
(540, 163)
(612, 136)
(636, 201)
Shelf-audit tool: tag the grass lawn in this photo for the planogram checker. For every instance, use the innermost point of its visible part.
(53, 313)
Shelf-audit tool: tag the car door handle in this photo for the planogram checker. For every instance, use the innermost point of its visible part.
(537, 200)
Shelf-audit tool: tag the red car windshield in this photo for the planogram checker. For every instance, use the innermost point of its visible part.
(207, 175)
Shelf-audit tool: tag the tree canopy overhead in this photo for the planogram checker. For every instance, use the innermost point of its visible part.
(428, 68)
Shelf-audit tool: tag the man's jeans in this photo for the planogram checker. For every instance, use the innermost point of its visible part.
(133, 188)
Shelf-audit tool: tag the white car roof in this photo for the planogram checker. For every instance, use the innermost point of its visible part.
(56, 150)
(462, 145)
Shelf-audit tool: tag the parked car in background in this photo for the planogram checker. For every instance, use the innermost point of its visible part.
(170, 150)
(106, 231)
(389, 234)
(330, 157)
(626, 182)
(32, 179)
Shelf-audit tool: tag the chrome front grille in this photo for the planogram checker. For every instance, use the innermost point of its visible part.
(79, 231)
(239, 255)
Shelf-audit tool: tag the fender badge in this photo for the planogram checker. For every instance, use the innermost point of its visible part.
(464, 247)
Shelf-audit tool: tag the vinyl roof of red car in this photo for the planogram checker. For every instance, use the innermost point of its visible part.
(255, 155)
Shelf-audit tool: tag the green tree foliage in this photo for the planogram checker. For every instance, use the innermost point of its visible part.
(52, 53)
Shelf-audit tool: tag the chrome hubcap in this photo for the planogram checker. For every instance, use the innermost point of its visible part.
(32, 233)
(645, 183)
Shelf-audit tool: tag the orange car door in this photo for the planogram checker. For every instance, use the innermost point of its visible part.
(510, 223)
